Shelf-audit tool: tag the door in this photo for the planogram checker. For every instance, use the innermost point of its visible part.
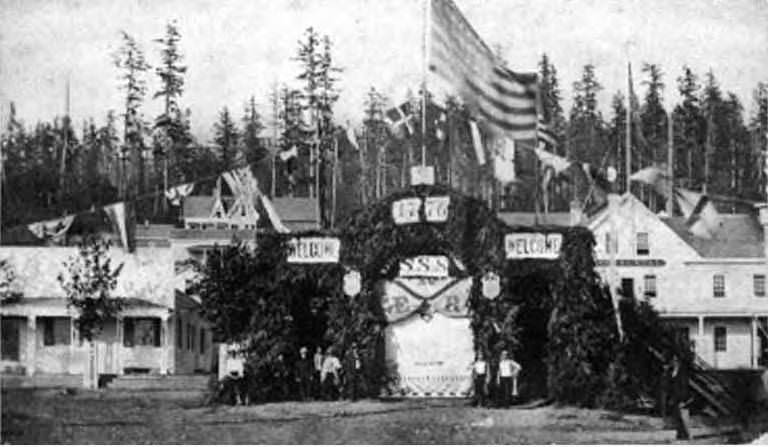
(106, 357)
(11, 338)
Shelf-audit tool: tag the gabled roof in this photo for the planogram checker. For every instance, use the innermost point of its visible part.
(529, 219)
(739, 236)
(201, 206)
(297, 211)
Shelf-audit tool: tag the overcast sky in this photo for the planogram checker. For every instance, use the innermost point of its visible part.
(238, 48)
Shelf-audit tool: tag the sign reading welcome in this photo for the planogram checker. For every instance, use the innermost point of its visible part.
(313, 250)
(533, 245)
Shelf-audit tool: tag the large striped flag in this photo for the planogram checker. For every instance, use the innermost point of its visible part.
(545, 133)
(506, 100)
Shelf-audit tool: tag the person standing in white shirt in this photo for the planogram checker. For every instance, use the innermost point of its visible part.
(329, 375)
(507, 378)
(480, 379)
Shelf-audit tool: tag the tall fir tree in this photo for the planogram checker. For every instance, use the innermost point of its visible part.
(690, 128)
(758, 127)
(252, 128)
(653, 116)
(131, 61)
(227, 139)
(171, 133)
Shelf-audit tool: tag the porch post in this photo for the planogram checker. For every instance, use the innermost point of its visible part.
(31, 343)
(754, 343)
(164, 344)
(700, 342)
(120, 345)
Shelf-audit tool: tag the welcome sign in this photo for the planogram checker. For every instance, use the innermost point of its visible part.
(533, 245)
(313, 250)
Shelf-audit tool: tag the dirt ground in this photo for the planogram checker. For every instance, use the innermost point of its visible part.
(122, 417)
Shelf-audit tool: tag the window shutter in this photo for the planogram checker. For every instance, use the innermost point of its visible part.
(128, 332)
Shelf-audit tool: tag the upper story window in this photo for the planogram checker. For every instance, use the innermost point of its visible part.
(649, 286)
(643, 248)
(611, 244)
(759, 285)
(718, 286)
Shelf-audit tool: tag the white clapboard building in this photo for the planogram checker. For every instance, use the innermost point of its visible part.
(713, 287)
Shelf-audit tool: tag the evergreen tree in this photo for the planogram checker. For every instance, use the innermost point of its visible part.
(130, 59)
(252, 127)
(653, 116)
(226, 137)
(689, 132)
(171, 132)
(759, 140)
(587, 143)
(551, 98)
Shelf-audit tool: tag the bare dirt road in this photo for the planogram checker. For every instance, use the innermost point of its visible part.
(112, 417)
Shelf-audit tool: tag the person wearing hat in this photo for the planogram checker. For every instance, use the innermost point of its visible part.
(317, 361)
(507, 378)
(353, 371)
(304, 369)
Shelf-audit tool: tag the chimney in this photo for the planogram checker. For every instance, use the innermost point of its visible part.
(762, 216)
(577, 214)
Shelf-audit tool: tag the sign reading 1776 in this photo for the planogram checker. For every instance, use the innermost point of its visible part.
(407, 211)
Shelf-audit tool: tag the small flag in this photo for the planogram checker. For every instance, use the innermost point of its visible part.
(400, 116)
(121, 216)
(351, 137)
(177, 193)
(701, 215)
(290, 153)
(653, 176)
(440, 124)
(477, 143)
(53, 229)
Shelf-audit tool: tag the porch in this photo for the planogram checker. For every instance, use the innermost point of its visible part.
(39, 337)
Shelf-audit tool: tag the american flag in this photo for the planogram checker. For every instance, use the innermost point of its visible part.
(504, 99)
(545, 133)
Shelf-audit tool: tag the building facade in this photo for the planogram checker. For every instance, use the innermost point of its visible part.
(713, 289)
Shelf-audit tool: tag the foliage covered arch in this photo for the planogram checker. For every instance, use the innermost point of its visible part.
(552, 313)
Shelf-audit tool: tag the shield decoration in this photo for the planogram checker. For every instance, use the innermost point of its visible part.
(352, 282)
(491, 285)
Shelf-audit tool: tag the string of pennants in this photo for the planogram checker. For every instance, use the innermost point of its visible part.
(121, 216)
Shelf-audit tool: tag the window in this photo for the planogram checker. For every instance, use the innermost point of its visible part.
(611, 244)
(56, 331)
(649, 286)
(718, 286)
(642, 244)
(179, 333)
(141, 332)
(202, 341)
(759, 285)
(628, 287)
(721, 339)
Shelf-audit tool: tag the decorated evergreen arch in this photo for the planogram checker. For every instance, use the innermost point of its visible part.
(552, 313)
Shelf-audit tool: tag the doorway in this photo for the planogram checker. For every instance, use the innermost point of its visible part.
(11, 337)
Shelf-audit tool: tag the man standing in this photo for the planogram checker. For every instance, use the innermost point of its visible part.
(318, 363)
(303, 373)
(680, 396)
(507, 378)
(354, 370)
(480, 379)
(329, 375)
(280, 375)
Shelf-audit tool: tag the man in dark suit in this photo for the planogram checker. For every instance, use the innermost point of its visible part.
(304, 369)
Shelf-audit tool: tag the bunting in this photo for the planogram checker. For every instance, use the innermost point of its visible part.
(53, 230)
(504, 161)
(477, 143)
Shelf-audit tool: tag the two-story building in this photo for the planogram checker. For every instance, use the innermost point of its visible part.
(712, 288)
(159, 330)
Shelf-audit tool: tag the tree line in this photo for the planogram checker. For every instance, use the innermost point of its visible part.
(51, 169)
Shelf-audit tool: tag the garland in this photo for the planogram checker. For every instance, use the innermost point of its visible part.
(552, 314)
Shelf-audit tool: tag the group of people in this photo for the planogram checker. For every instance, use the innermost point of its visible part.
(495, 383)
(323, 376)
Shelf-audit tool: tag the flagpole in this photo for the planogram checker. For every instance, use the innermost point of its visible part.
(670, 165)
(424, 68)
(627, 129)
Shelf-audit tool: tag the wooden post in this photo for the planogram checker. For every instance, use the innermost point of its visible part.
(670, 166)
(31, 344)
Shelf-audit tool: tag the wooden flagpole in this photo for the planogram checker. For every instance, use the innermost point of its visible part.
(424, 68)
